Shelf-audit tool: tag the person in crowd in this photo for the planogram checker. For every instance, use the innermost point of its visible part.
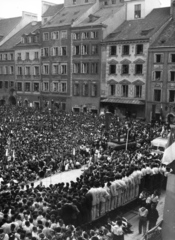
(153, 215)
(143, 214)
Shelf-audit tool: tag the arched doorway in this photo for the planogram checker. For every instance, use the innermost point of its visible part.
(12, 100)
(26, 103)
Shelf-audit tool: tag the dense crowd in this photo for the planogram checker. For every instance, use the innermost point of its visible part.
(34, 143)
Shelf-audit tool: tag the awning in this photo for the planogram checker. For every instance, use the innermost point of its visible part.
(123, 101)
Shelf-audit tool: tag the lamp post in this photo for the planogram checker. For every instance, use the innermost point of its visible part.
(127, 137)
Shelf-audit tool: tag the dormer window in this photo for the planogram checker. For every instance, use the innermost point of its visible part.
(137, 12)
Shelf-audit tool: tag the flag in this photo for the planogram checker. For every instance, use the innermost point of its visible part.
(169, 153)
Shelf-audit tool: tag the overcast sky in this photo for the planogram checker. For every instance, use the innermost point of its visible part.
(14, 8)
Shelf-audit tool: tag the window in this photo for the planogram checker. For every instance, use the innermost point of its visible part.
(6, 84)
(19, 71)
(45, 52)
(94, 49)
(138, 91)
(5, 69)
(55, 35)
(77, 68)
(36, 39)
(74, 2)
(46, 69)
(137, 11)
(19, 56)
(11, 69)
(55, 69)
(63, 69)
(36, 55)
(172, 76)
(0, 57)
(125, 90)
(106, 3)
(172, 58)
(94, 34)
(113, 1)
(158, 58)
(11, 84)
(94, 68)
(113, 50)
(112, 69)
(19, 86)
(45, 36)
(157, 95)
(112, 89)
(36, 71)
(139, 49)
(27, 71)
(125, 69)
(55, 87)
(139, 69)
(36, 87)
(1, 71)
(76, 89)
(63, 87)
(5, 57)
(29, 39)
(85, 89)
(63, 51)
(172, 96)
(27, 55)
(157, 75)
(1, 85)
(27, 87)
(55, 51)
(94, 90)
(85, 35)
(76, 36)
(11, 56)
(85, 49)
(45, 86)
(64, 34)
(77, 50)
(86, 1)
(125, 50)
(85, 67)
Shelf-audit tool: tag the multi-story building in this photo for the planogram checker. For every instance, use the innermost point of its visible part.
(125, 52)
(56, 54)
(160, 102)
(7, 62)
(86, 59)
(28, 66)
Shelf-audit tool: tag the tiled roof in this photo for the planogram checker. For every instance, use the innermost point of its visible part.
(67, 15)
(101, 15)
(8, 24)
(123, 101)
(167, 37)
(52, 10)
(17, 37)
(141, 28)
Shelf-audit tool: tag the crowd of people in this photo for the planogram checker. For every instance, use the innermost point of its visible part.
(34, 143)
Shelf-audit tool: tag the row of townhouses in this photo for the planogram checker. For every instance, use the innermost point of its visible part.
(86, 55)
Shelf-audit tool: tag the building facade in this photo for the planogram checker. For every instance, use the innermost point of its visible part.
(160, 104)
(28, 69)
(123, 87)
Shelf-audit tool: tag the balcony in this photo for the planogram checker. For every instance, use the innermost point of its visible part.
(27, 76)
(37, 76)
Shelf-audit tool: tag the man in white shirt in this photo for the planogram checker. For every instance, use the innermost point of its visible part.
(143, 213)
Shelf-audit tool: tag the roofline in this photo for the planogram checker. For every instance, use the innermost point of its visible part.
(150, 48)
(90, 26)
(127, 40)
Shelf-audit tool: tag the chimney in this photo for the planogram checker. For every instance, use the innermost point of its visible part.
(172, 9)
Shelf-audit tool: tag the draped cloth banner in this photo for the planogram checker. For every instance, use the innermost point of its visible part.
(169, 153)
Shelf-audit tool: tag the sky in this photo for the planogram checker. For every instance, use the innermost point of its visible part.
(14, 8)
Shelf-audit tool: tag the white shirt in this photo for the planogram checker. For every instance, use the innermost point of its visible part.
(117, 230)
